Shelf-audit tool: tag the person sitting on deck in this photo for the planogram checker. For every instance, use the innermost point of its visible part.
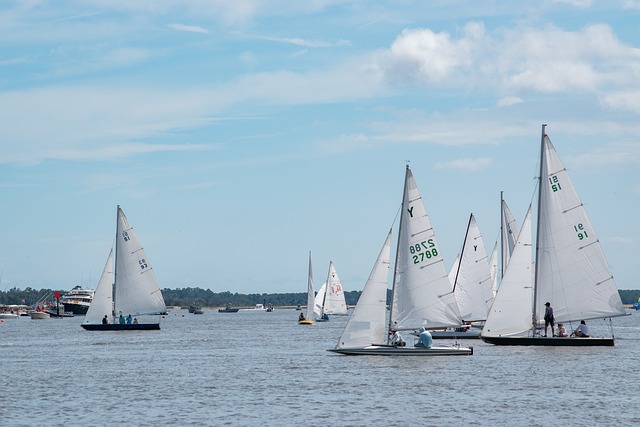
(425, 339)
(396, 339)
(582, 331)
(121, 319)
(301, 317)
(135, 320)
(105, 320)
(562, 332)
(129, 319)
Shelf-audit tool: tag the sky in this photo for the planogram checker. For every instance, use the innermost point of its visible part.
(239, 136)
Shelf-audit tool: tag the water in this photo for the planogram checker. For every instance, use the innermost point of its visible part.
(258, 368)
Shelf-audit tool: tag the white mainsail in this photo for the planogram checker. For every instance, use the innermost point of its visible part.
(509, 233)
(472, 281)
(318, 303)
(367, 324)
(422, 293)
(334, 302)
(510, 313)
(102, 303)
(136, 289)
(571, 270)
(493, 268)
(310, 294)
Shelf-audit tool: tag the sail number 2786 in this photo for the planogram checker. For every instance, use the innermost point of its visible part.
(423, 250)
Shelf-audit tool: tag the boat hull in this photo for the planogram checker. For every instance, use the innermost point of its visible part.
(119, 327)
(228, 310)
(549, 342)
(384, 350)
(39, 315)
(471, 335)
(306, 322)
(75, 308)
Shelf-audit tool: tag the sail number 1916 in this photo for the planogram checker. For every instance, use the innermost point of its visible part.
(423, 250)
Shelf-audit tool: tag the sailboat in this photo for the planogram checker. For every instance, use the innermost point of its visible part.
(422, 295)
(127, 286)
(318, 304)
(471, 280)
(333, 302)
(571, 271)
(308, 320)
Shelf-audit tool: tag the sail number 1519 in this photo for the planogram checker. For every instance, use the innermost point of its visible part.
(423, 250)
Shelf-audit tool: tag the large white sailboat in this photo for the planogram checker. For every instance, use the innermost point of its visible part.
(422, 294)
(571, 272)
(127, 287)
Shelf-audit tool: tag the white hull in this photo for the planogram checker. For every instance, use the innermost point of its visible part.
(385, 350)
(39, 315)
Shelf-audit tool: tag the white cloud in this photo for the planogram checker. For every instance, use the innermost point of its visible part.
(546, 59)
(467, 165)
(297, 41)
(188, 28)
(509, 100)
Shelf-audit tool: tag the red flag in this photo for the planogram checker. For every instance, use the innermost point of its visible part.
(57, 295)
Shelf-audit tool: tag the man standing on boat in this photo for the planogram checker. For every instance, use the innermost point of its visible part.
(549, 319)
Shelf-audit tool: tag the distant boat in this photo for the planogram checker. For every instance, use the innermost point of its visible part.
(308, 318)
(571, 271)
(39, 315)
(127, 286)
(318, 304)
(422, 296)
(228, 309)
(77, 300)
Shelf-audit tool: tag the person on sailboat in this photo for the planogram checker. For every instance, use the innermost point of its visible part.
(301, 317)
(548, 318)
(129, 319)
(105, 320)
(121, 319)
(562, 332)
(425, 339)
(582, 331)
(396, 339)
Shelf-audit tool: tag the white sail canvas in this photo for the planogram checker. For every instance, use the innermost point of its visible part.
(318, 302)
(510, 313)
(136, 289)
(473, 279)
(572, 272)
(310, 293)
(334, 302)
(367, 324)
(422, 296)
(102, 303)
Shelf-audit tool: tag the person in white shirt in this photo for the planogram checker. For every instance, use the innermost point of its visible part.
(582, 331)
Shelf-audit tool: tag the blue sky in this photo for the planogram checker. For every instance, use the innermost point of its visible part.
(238, 136)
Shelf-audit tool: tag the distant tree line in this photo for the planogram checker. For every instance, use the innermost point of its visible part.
(182, 297)
(207, 298)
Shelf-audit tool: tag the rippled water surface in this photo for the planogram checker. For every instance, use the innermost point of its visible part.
(258, 368)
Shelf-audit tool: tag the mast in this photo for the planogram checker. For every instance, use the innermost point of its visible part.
(464, 243)
(501, 236)
(395, 267)
(115, 264)
(534, 319)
